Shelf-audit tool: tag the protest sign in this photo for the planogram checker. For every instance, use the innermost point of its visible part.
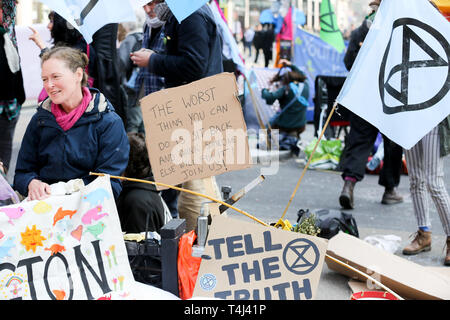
(196, 130)
(400, 80)
(64, 247)
(316, 58)
(245, 261)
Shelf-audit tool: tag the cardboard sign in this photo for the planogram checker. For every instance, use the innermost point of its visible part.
(196, 130)
(64, 247)
(246, 261)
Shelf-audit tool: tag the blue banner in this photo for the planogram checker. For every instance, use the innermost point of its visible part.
(316, 57)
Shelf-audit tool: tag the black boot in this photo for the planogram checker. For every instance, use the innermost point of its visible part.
(346, 197)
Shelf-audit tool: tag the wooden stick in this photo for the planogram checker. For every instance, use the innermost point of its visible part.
(309, 160)
(184, 190)
(364, 275)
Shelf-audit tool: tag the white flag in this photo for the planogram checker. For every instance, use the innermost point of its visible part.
(400, 80)
(87, 16)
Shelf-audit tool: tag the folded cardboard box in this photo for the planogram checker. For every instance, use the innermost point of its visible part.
(407, 279)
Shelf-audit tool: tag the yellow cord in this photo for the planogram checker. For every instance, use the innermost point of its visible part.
(184, 190)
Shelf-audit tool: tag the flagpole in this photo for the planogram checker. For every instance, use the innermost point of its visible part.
(309, 160)
(258, 115)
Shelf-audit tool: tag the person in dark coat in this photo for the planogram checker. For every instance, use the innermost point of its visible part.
(74, 131)
(12, 92)
(362, 137)
(193, 51)
(140, 204)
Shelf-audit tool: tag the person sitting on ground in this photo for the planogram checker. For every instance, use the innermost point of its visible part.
(293, 98)
(75, 131)
(140, 205)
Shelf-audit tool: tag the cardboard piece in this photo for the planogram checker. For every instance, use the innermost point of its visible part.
(196, 130)
(248, 261)
(408, 279)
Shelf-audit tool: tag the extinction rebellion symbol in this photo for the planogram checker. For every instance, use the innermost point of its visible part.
(413, 69)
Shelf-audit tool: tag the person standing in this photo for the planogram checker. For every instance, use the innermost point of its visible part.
(12, 92)
(425, 162)
(193, 52)
(248, 40)
(362, 136)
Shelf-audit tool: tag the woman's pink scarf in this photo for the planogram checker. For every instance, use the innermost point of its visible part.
(67, 120)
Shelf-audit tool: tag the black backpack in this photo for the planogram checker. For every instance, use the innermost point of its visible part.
(331, 222)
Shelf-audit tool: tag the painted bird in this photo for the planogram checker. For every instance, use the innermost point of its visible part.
(96, 229)
(61, 214)
(93, 214)
(13, 213)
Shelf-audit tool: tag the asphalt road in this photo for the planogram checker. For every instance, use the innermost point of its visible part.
(318, 189)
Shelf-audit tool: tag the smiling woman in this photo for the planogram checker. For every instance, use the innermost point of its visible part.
(74, 131)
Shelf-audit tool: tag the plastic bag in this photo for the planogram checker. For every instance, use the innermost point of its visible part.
(327, 154)
(187, 265)
(389, 243)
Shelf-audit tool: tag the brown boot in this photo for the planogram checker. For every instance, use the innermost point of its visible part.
(391, 196)
(422, 242)
(346, 197)
(447, 257)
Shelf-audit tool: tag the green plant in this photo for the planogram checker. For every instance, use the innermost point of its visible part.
(307, 226)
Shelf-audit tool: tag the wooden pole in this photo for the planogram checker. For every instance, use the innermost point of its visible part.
(184, 190)
(309, 160)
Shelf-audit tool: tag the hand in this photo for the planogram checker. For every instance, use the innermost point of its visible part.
(285, 62)
(38, 190)
(36, 38)
(141, 57)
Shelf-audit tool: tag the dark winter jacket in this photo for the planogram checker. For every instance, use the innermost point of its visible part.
(193, 49)
(11, 84)
(96, 143)
(136, 201)
(356, 39)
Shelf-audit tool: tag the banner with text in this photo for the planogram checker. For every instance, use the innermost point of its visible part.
(316, 57)
(246, 261)
(67, 247)
(196, 130)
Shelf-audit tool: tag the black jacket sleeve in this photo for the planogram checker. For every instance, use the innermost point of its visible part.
(189, 59)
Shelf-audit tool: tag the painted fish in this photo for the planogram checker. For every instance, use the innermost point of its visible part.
(56, 248)
(59, 294)
(61, 214)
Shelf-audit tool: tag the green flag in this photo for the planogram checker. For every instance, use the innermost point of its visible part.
(329, 31)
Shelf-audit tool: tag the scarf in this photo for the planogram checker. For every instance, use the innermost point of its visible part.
(67, 120)
(163, 11)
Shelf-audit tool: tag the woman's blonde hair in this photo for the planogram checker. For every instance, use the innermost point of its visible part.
(73, 58)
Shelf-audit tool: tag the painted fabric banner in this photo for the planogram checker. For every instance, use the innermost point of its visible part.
(316, 57)
(65, 247)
